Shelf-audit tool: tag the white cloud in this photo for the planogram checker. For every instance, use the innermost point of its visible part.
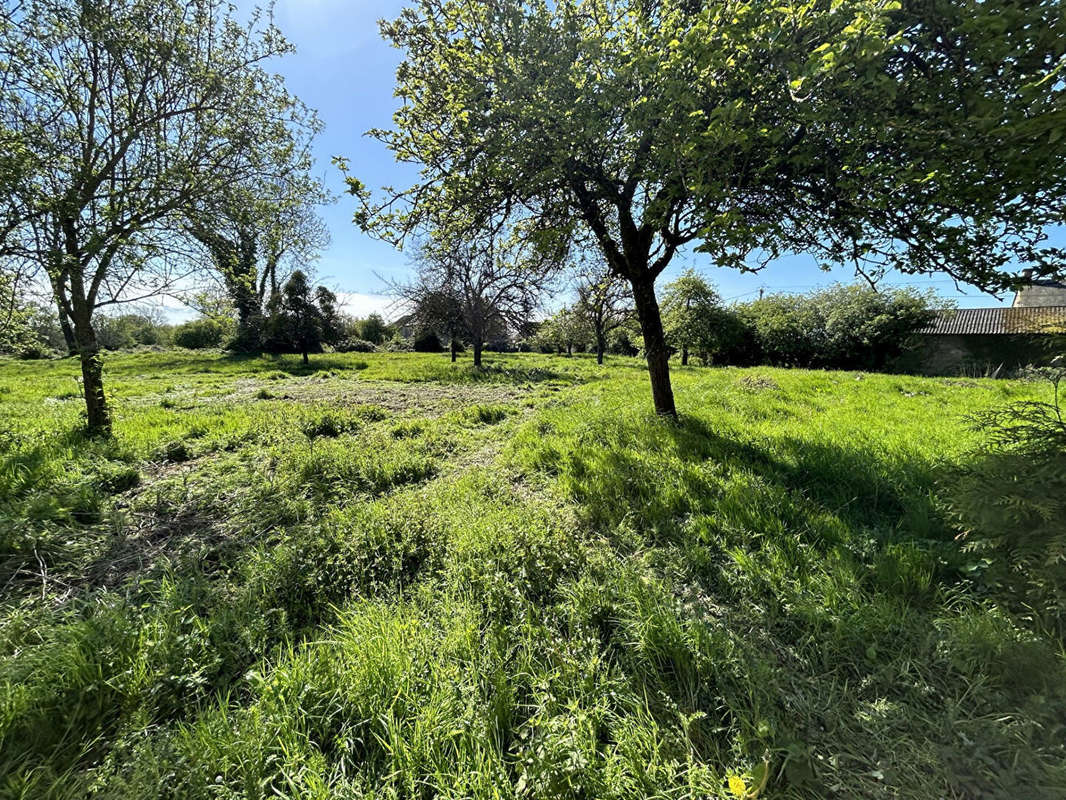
(360, 304)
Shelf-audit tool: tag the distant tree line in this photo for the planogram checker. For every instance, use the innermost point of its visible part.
(840, 327)
(299, 318)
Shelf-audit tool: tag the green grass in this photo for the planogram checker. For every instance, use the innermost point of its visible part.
(389, 576)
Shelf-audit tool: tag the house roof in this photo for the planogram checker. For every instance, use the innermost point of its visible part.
(998, 321)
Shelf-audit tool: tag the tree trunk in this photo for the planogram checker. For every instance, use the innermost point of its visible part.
(306, 359)
(454, 348)
(651, 326)
(599, 350)
(97, 414)
(68, 331)
(249, 324)
(477, 353)
(237, 262)
(684, 356)
(569, 349)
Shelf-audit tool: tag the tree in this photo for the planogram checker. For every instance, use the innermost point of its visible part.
(691, 315)
(841, 327)
(603, 305)
(918, 135)
(14, 158)
(563, 330)
(374, 329)
(494, 279)
(126, 113)
(15, 333)
(257, 233)
(28, 328)
(302, 320)
(438, 309)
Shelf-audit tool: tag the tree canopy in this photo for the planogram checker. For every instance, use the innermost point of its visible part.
(301, 318)
(257, 232)
(691, 315)
(482, 284)
(919, 136)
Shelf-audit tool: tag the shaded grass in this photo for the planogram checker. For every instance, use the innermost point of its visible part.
(339, 598)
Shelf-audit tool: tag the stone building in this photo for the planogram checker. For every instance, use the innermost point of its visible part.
(1041, 293)
(996, 341)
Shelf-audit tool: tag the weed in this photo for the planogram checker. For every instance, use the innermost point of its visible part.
(370, 412)
(757, 383)
(174, 452)
(409, 429)
(485, 415)
(330, 424)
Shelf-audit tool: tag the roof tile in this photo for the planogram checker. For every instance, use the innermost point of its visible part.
(998, 321)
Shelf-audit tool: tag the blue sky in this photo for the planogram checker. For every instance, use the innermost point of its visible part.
(344, 70)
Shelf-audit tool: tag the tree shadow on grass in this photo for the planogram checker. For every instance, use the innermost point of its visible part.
(26, 470)
(232, 364)
(501, 372)
(291, 365)
(504, 374)
(800, 586)
(664, 473)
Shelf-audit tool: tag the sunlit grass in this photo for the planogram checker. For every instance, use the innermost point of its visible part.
(391, 576)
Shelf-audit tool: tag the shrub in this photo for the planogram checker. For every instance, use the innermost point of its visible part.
(786, 329)
(428, 342)
(353, 345)
(34, 351)
(1009, 500)
(865, 329)
(397, 344)
(842, 327)
(199, 334)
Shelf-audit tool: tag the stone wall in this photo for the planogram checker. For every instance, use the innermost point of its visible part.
(977, 356)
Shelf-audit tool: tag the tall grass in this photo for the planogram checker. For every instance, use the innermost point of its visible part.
(391, 577)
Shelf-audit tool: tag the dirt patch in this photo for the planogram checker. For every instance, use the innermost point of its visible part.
(407, 398)
(757, 383)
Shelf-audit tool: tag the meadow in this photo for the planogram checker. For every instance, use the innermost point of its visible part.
(388, 576)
